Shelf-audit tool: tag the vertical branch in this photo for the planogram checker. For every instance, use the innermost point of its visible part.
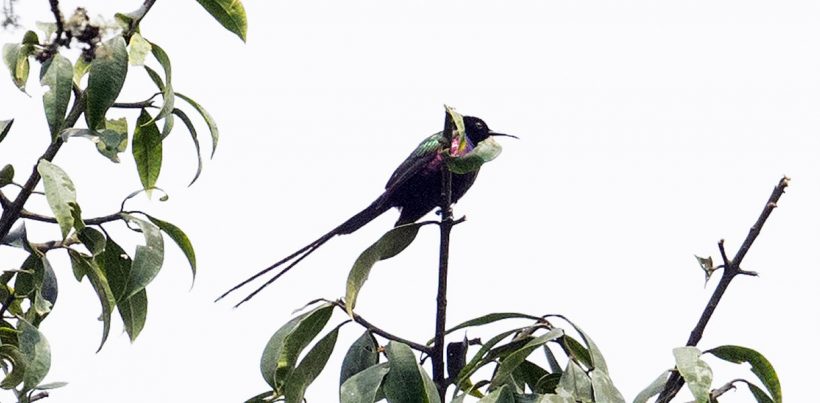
(444, 251)
(731, 268)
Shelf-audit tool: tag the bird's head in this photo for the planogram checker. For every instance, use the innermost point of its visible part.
(477, 131)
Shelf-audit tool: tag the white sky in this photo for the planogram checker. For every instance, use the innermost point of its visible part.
(649, 130)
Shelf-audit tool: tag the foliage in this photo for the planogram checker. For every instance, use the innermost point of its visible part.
(89, 87)
(536, 361)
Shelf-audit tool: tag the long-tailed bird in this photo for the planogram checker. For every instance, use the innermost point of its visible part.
(414, 188)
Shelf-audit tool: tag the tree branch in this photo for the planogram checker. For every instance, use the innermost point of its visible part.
(12, 213)
(376, 330)
(437, 354)
(730, 270)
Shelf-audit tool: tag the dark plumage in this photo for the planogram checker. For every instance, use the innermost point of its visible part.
(414, 188)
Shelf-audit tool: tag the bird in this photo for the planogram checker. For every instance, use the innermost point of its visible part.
(414, 188)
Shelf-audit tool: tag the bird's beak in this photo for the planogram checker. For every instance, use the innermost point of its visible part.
(492, 133)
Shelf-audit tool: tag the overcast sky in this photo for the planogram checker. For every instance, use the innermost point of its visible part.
(649, 131)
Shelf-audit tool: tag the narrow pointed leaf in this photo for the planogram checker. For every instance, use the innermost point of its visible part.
(147, 149)
(81, 67)
(5, 126)
(106, 75)
(230, 14)
(208, 121)
(6, 175)
(389, 245)
(512, 361)
(100, 284)
(759, 394)
(192, 130)
(761, 367)
(147, 258)
(179, 238)
(695, 372)
(403, 384)
(138, 48)
(596, 357)
(92, 239)
(603, 388)
(283, 348)
(362, 354)
(10, 353)
(500, 395)
(364, 386)
(168, 88)
(310, 367)
(531, 373)
(478, 359)
(430, 390)
(489, 318)
(15, 57)
(60, 193)
(653, 389)
(57, 75)
(37, 353)
(575, 383)
(133, 312)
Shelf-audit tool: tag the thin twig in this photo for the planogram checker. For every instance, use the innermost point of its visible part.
(376, 330)
(437, 354)
(730, 270)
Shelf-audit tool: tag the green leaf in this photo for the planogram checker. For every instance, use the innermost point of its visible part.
(575, 383)
(134, 311)
(653, 389)
(56, 74)
(60, 193)
(364, 386)
(6, 175)
(48, 28)
(485, 151)
(279, 356)
(154, 76)
(230, 14)
(30, 38)
(37, 353)
(51, 385)
(487, 319)
(531, 373)
(5, 126)
(111, 143)
(100, 284)
(500, 395)
(192, 130)
(596, 357)
(389, 245)
(549, 398)
(106, 76)
(403, 384)
(208, 121)
(761, 367)
(147, 258)
(92, 239)
(577, 351)
(147, 149)
(310, 367)
(264, 397)
(759, 394)
(605, 391)
(12, 354)
(695, 372)
(179, 238)
(167, 89)
(117, 267)
(16, 58)
(430, 388)
(478, 359)
(512, 361)
(138, 48)
(81, 67)
(362, 354)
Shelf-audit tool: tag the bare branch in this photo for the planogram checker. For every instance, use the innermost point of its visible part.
(731, 269)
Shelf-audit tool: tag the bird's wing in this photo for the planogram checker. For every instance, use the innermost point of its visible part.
(424, 154)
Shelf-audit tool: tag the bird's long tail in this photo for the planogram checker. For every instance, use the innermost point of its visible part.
(352, 224)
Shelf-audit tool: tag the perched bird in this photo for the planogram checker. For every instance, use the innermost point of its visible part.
(414, 188)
